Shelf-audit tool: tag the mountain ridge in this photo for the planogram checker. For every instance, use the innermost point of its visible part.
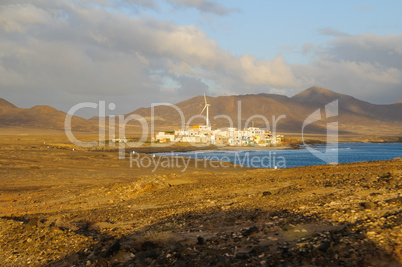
(355, 116)
(40, 117)
(261, 110)
(5, 103)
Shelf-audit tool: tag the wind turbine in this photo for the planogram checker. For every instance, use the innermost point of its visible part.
(206, 107)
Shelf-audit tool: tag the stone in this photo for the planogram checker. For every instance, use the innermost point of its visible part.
(368, 205)
(251, 231)
(200, 240)
(242, 256)
(266, 193)
(113, 249)
(325, 246)
(152, 254)
(123, 256)
(148, 245)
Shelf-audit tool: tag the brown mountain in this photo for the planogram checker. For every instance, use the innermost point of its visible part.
(250, 108)
(39, 117)
(5, 103)
(349, 105)
(354, 116)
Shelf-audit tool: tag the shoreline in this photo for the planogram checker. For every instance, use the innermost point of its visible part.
(183, 148)
(178, 149)
(225, 159)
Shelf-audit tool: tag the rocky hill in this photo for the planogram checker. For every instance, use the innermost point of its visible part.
(39, 117)
(355, 116)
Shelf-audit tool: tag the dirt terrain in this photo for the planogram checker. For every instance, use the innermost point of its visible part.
(65, 207)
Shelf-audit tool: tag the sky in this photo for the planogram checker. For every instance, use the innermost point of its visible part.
(137, 52)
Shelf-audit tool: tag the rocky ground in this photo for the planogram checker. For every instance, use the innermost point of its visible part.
(60, 207)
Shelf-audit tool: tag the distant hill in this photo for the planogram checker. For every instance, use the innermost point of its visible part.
(317, 96)
(354, 116)
(398, 102)
(5, 103)
(39, 117)
(349, 105)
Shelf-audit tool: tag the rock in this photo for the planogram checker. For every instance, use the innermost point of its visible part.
(302, 244)
(368, 205)
(386, 175)
(32, 223)
(242, 256)
(152, 254)
(287, 227)
(148, 245)
(251, 231)
(325, 246)
(397, 200)
(266, 193)
(200, 240)
(122, 257)
(113, 249)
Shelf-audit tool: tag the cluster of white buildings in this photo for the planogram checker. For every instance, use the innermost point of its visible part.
(202, 134)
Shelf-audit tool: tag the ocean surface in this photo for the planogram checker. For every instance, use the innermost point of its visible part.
(306, 156)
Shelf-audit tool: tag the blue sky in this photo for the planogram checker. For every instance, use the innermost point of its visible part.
(264, 28)
(138, 52)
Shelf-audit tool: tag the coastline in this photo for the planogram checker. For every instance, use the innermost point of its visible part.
(255, 148)
(257, 158)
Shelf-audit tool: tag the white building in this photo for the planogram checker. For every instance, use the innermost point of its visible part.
(251, 136)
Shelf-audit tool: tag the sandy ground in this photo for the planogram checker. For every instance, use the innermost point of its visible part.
(65, 207)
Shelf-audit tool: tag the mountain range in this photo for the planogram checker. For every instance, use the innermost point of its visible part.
(354, 116)
(38, 117)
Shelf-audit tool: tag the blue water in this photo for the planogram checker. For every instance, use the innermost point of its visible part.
(288, 158)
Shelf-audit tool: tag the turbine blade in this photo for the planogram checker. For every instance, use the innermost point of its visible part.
(205, 99)
(203, 109)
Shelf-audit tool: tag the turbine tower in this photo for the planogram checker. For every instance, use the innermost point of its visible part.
(206, 107)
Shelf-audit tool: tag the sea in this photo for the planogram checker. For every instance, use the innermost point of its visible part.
(305, 156)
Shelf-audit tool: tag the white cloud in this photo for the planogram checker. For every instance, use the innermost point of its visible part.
(307, 48)
(367, 66)
(385, 50)
(204, 6)
(80, 52)
(91, 50)
(331, 32)
(18, 17)
(275, 73)
(134, 5)
(86, 52)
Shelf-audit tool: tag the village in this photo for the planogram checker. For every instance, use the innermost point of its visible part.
(203, 134)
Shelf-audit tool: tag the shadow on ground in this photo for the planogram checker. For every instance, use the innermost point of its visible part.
(237, 238)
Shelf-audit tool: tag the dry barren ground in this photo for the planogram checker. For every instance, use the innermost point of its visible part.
(60, 207)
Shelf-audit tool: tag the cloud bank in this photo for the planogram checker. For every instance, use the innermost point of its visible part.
(83, 51)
